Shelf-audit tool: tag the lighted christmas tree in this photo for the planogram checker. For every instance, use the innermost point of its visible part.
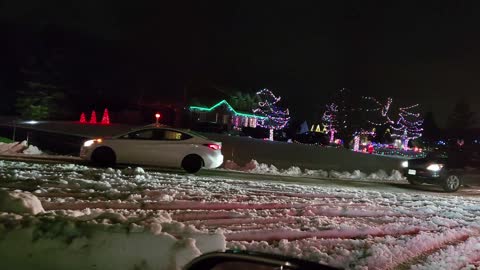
(276, 118)
(330, 120)
(106, 117)
(408, 126)
(83, 120)
(93, 117)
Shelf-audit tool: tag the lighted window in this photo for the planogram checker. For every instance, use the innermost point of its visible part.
(253, 122)
(226, 118)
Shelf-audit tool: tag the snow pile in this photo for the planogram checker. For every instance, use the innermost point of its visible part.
(66, 243)
(19, 202)
(19, 148)
(260, 168)
(32, 150)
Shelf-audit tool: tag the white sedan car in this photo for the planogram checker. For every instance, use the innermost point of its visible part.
(156, 146)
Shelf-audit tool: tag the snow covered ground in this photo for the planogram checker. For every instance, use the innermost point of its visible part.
(66, 216)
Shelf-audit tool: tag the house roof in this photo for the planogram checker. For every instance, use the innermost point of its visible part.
(224, 102)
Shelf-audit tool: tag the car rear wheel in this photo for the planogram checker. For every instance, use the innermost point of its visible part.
(452, 183)
(104, 156)
(192, 163)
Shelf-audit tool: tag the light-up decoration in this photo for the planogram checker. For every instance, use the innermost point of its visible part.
(83, 119)
(229, 107)
(93, 117)
(274, 117)
(356, 143)
(384, 111)
(407, 127)
(105, 117)
(330, 119)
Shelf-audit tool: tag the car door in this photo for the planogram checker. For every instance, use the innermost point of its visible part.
(172, 146)
(133, 147)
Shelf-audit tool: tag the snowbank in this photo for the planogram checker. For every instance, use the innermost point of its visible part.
(19, 202)
(32, 150)
(19, 148)
(255, 167)
(53, 242)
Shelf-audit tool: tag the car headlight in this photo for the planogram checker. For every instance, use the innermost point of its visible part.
(435, 167)
(405, 164)
(91, 142)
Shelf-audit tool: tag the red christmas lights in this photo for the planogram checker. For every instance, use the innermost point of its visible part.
(93, 117)
(105, 117)
(83, 120)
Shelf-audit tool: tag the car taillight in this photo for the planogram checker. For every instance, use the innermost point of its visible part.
(213, 146)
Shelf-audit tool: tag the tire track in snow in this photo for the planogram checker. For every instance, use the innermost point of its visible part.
(454, 256)
(349, 227)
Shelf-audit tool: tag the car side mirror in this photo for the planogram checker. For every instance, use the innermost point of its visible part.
(232, 260)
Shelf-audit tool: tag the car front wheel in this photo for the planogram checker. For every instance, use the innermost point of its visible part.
(192, 163)
(104, 156)
(452, 183)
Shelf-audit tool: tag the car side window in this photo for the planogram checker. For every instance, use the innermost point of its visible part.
(172, 135)
(147, 134)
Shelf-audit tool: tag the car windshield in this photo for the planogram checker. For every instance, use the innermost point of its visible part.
(144, 134)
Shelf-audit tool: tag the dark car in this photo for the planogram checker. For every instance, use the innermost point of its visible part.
(450, 170)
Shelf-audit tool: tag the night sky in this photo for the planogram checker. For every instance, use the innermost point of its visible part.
(426, 51)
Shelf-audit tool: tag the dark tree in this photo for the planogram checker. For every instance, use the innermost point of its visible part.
(39, 102)
(349, 117)
(431, 132)
(461, 119)
(245, 102)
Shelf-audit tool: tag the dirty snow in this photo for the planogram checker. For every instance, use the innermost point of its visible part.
(19, 148)
(136, 219)
(260, 168)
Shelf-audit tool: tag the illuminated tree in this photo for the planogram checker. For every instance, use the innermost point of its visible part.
(330, 120)
(276, 117)
(406, 125)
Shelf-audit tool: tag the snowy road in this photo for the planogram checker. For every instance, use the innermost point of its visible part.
(349, 224)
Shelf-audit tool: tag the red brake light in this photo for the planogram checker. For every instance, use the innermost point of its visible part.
(214, 146)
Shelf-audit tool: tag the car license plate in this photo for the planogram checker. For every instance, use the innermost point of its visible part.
(412, 172)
